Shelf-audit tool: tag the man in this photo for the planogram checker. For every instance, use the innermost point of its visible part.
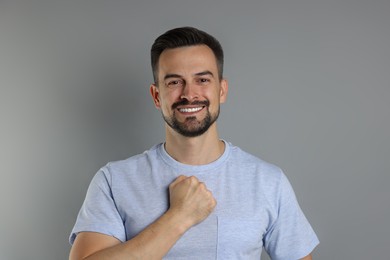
(194, 196)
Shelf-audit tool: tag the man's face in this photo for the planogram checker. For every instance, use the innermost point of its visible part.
(188, 90)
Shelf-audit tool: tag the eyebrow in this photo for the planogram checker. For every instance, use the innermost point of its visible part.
(171, 76)
(202, 73)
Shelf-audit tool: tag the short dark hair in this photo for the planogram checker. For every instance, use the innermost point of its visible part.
(185, 36)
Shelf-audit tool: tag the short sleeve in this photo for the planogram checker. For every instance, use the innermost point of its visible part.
(99, 212)
(290, 236)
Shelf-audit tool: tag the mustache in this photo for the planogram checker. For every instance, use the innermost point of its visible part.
(194, 103)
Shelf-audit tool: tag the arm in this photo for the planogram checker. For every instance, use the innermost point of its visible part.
(308, 257)
(190, 203)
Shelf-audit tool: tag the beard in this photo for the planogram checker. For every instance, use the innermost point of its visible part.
(191, 127)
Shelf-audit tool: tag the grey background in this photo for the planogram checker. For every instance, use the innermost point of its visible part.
(309, 91)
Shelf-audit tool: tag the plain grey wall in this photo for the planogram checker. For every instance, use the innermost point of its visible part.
(309, 91)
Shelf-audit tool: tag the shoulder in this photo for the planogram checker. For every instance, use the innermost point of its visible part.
(124, 168)
(146, 157)
(267, 177)
(263, 178)
(247, 160)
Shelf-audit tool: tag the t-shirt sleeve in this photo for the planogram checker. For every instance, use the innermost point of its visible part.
(99, 212)
(290, 236)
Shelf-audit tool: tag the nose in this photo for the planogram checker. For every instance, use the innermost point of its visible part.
(189, 92)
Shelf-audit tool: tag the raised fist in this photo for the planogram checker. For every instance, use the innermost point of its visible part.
(191, 199)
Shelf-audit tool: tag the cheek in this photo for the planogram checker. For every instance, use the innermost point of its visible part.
(214, 96)
(166, 102)
(171, 97)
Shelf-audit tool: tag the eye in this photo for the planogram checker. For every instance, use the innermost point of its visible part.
(175, 83)
(203, 81)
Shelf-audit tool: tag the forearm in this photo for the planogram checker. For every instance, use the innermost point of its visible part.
(308, 257)
(153, 242)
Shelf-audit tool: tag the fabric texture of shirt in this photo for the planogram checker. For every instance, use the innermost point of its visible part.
(256, 206)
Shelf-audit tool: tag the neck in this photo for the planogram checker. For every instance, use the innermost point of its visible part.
(198, 150)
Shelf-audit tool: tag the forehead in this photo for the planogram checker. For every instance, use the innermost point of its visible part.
(188, 59)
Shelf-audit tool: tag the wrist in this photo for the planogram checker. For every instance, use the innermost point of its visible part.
(178, 221)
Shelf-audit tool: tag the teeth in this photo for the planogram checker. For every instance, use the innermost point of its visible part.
(190, 110)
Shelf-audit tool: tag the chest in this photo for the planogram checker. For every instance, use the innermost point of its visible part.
(233, 231)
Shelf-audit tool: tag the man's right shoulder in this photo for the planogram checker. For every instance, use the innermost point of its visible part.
(132, 163)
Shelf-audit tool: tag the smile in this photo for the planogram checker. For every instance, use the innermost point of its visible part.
(190, 110)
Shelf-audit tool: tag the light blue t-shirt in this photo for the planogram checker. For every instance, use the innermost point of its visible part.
(256, 206)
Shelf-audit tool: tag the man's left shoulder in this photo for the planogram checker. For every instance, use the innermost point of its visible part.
(247, 159)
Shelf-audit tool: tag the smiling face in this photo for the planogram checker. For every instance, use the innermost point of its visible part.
(189, 91)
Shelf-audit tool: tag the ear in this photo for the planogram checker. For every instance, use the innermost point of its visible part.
(154, 92)
(223, 91)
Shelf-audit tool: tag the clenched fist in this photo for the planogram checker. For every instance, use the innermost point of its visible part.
(191, 199)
